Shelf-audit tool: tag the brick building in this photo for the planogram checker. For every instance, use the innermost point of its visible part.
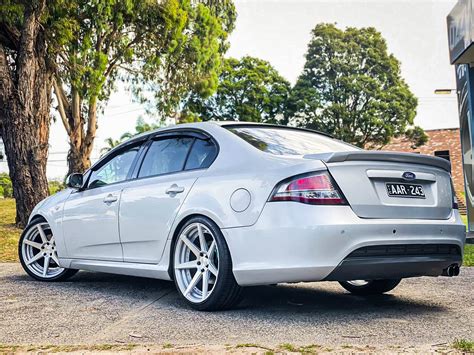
(443, 143)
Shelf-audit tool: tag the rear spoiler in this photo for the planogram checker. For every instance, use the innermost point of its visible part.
(395, 157)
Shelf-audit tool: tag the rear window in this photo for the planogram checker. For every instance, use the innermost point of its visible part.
(284, 141)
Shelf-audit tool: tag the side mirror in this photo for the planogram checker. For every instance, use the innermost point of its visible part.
(74, 181)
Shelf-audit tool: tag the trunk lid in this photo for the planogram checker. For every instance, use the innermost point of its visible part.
(363, 177)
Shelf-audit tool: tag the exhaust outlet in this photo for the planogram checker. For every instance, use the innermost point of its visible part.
(451, 270)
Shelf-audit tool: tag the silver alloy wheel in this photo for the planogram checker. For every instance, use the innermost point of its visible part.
(38, 251)
(196, 262)
(358, 282)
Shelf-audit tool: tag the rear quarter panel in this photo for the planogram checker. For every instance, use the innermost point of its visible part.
(239, 166)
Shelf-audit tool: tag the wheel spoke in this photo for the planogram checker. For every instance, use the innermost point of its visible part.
(196, 278)
(190, 245)
(46, 265)
(188, 265)
(34, 258)
(205, 284)
(202, 240)
(42, 234)
(212, 269)
(193, 282)
(38, 252)
(32, 243)
(212, 249)
(55, 258)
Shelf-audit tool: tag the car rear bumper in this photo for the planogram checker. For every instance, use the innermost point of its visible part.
(294, 242)
(397, 261)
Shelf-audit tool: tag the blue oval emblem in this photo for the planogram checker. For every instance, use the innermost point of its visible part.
(408, 175)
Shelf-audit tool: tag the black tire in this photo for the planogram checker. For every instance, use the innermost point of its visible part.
(373, 287)
(226, 292)
(64, 275)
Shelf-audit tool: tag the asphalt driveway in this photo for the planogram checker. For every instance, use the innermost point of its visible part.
(95, 308)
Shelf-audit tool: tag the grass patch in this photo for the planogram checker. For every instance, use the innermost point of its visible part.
(9, 234)
(4, 348)
(464, 345)
(468, 249)
(468, 255)
(304, 349)
(310, 349)
(289, 347)
(252, 345)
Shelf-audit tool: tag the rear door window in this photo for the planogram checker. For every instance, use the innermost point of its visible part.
(165, 156)
(202, 154)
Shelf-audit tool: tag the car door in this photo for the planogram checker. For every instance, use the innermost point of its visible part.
(150, 203)
(90, 219)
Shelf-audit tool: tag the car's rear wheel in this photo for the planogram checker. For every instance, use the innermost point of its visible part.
(38, 253)
(369, 287)
(202, 267)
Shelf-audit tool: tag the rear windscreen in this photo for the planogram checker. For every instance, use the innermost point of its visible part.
(287, 141)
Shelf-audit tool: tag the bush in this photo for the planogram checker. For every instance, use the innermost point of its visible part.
(6, 186)
(55, 186)
(6, 189)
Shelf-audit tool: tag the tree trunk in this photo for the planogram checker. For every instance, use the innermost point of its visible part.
(25, 99)
(81, 130)
(77, 160)
(81, 140)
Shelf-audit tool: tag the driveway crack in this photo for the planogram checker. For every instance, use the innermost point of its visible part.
(127, 318)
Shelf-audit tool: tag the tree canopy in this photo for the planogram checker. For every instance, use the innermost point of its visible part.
(164, 49)
(249, 89)
(351, 87)
(81, 48)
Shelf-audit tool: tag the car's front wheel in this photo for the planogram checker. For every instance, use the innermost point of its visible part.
(202, 267)
(369, 287)
(38, 254)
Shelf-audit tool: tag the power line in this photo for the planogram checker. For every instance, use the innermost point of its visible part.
(122, 113)
(65, 160)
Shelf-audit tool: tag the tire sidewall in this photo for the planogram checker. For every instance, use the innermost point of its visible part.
(373, 287)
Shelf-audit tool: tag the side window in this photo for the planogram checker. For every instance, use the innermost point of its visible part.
(165, 156)
(202, 154)
(115, 170)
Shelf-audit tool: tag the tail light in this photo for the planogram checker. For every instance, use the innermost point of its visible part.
(314, 189)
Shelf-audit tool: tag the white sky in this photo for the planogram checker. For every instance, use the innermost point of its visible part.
(279, 31)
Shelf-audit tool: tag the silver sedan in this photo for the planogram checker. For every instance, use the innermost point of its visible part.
(219, 206)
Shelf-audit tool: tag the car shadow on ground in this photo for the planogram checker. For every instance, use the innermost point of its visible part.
(323, 298)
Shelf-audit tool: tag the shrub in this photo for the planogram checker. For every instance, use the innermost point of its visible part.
(55, 186)
(6, 186)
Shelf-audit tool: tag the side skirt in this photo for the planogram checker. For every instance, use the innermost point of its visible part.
(155, 271)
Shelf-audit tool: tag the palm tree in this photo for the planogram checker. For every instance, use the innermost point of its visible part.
(111, 143)
(140, 127)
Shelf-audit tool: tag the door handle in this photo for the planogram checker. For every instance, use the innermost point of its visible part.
(110, 198)
(174, 189)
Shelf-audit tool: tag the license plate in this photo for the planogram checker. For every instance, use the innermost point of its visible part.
(405, 190)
